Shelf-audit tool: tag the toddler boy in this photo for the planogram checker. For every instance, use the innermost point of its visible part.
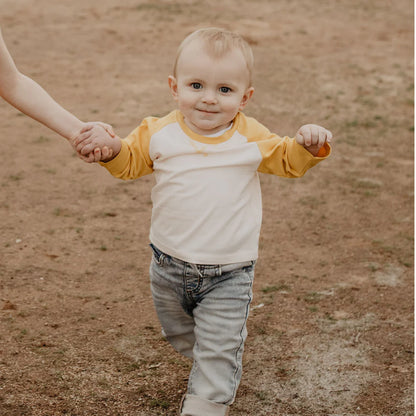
(207, 209)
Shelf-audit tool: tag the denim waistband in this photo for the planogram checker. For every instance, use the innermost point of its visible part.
(202, 269)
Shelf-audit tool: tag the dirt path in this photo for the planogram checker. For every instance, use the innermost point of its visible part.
(331, 329)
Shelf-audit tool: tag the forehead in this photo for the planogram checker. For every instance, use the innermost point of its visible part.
(197, 57)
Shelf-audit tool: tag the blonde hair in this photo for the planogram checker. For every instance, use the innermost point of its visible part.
(218, 42)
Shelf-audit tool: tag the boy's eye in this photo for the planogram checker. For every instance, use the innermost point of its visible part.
(196, 85)
(225, 90)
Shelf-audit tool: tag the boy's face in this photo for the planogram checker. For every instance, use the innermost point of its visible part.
(210, 90)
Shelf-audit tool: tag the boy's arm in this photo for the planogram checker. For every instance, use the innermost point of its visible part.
(286, 156)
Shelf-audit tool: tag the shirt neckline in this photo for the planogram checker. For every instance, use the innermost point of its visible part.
(207, 139)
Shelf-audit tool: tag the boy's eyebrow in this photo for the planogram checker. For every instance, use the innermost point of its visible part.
(193, 79)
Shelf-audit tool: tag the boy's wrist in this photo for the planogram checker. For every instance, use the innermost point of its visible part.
(115, 149)
(313, 151)
(322, 151)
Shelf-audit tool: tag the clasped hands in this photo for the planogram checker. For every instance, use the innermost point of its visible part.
(95, 142)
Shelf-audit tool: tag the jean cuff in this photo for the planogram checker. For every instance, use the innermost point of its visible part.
(196, 406)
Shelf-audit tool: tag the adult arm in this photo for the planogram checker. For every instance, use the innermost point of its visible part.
(30, 98)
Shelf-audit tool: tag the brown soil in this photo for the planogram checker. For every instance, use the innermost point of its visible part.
(331, 329)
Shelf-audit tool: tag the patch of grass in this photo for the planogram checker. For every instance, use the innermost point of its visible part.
(367, 184)
(134, 366)
(159, 403)
(180, 363)
(62, 212)
(407, 263)
(57, 212)
(367, 123)
(330, 318)
(367, 187)
(17, 177)
(165, 8)
(350, 139)
(351, 123)
(110, 214)
(262, 395)
(103, 382)
(260, 330)
(373, 267)
(312, 297)
(42, 139)
(271, 289)
(311, 201)
(383, 248)
(22, 333)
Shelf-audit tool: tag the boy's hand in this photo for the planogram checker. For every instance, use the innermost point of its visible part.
(93, 157)
(313, 137)
(98, 155)
(96, 143)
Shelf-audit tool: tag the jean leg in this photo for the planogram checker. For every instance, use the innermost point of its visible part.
(220, 330)
(167, 289)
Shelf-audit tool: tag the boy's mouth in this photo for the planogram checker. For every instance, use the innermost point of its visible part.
(207, 111)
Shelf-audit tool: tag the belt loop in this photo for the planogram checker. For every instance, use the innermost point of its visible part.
(219, 270)
(195, 268)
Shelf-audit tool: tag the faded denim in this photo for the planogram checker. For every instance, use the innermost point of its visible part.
(203, 310)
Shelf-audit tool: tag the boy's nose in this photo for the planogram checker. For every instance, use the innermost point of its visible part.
(209, 97)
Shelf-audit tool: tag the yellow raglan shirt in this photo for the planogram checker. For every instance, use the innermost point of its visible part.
(207, 201)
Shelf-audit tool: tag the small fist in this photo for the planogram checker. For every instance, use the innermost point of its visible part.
(313, 137)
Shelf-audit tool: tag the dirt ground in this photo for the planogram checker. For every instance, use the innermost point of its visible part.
(331, 327)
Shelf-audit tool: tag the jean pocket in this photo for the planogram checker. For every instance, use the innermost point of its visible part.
(249, 267)
(157, 254)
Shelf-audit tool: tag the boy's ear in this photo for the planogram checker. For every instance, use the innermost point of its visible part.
(246, 97)
(173, 85)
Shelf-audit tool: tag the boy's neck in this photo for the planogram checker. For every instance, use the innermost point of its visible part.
(221, 132)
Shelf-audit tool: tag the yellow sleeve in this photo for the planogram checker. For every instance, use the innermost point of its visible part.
(285, 157)
(133, 161)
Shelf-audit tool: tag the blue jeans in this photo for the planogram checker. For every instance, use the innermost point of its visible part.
(203, 311)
